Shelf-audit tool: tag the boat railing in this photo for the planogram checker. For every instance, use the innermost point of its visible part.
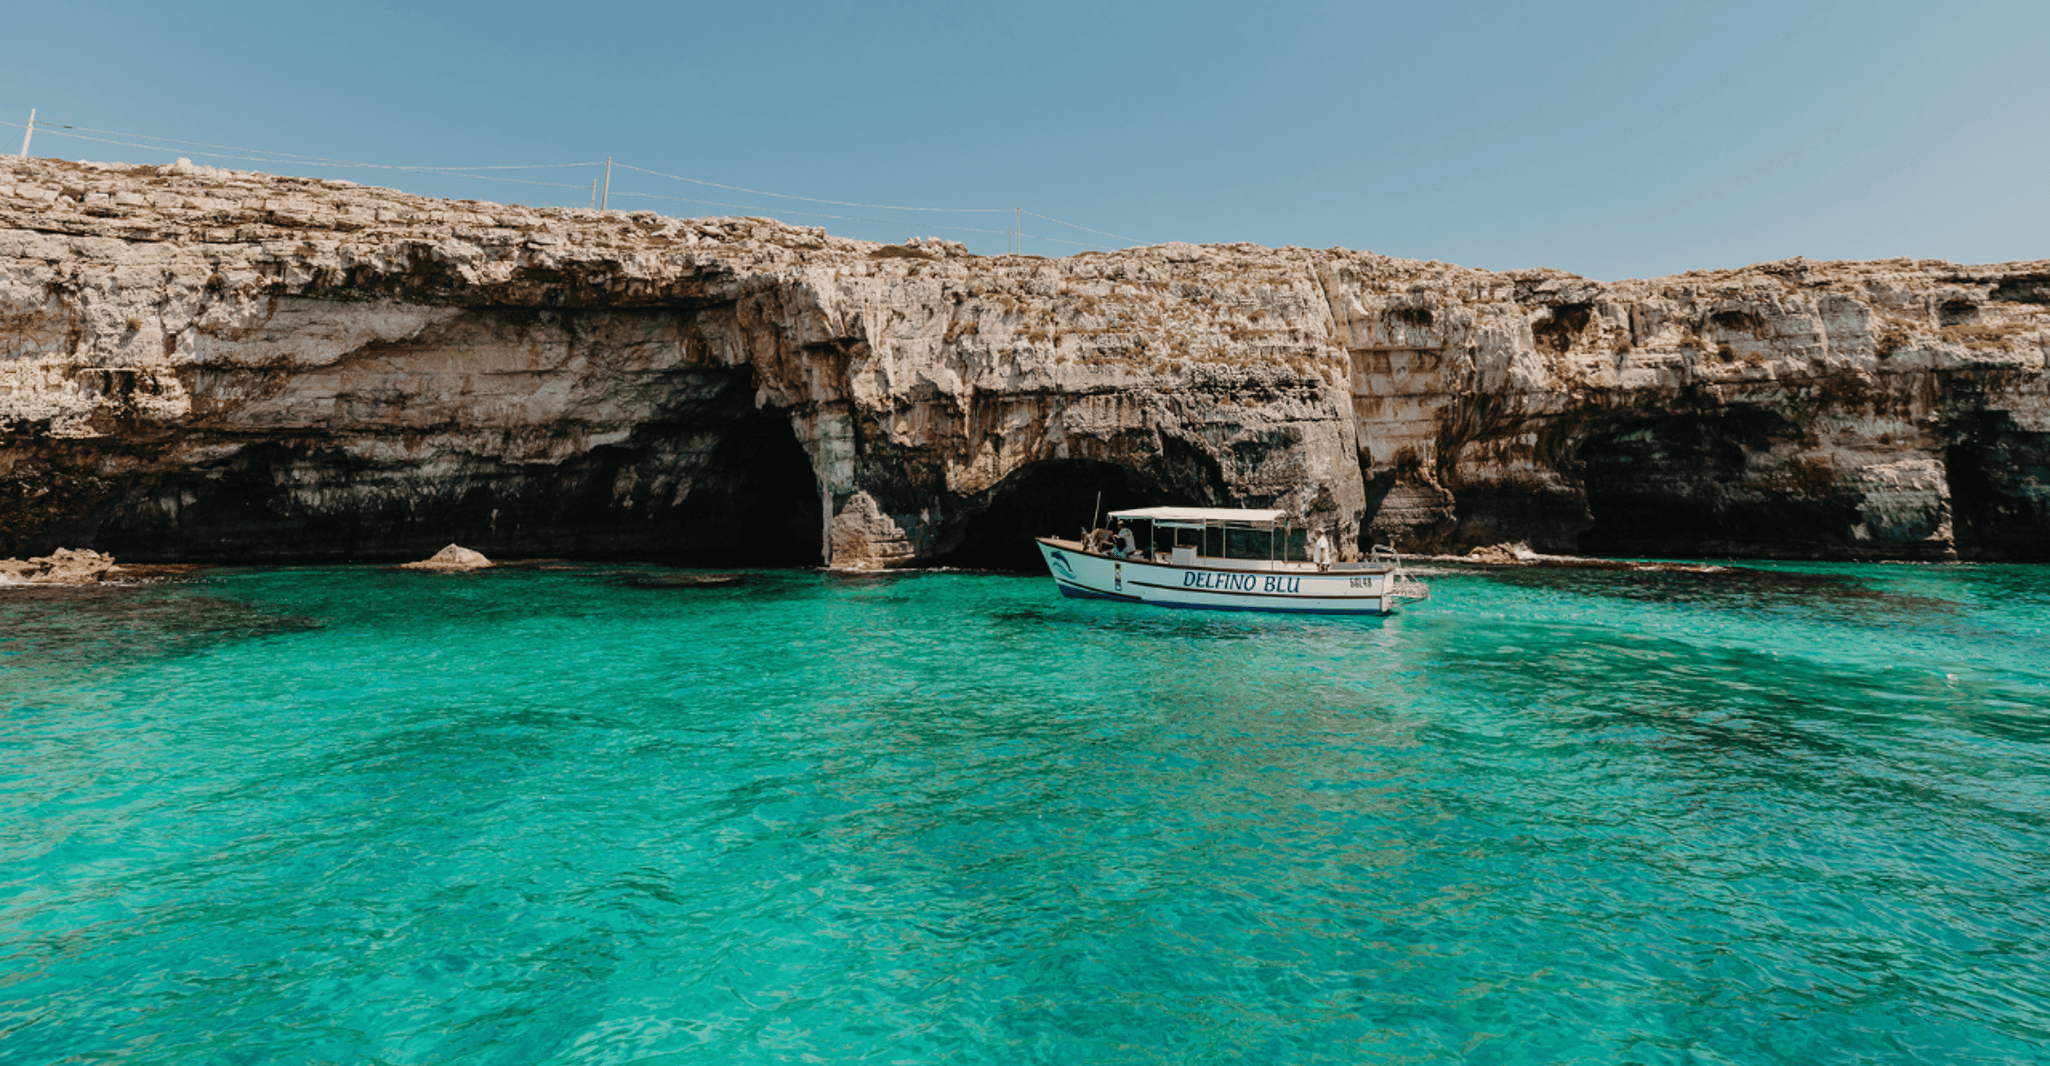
(1401, 586)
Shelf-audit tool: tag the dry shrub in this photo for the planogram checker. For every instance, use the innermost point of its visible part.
(1982, 337)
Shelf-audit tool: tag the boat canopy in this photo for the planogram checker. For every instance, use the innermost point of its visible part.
(1201, 516)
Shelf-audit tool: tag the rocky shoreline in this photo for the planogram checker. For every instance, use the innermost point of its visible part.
(204, 365)
(64, 566)
(1497, 556)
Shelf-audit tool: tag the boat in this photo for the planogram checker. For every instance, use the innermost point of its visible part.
(1221, 559)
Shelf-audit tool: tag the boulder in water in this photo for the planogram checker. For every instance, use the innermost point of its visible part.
(65, 566)
(453, 557)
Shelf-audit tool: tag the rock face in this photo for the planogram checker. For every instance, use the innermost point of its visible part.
(200, 364)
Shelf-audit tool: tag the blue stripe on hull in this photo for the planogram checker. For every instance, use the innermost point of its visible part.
(1080, 593)
(1260, 610)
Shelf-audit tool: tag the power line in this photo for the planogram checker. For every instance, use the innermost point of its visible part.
(1085, 229)
(437, 171)
(815, 200)
(800, 214)
(1057, 240)
(224, 151)
(844, 218)
(489, 177)
(264, 155)
(284, 157)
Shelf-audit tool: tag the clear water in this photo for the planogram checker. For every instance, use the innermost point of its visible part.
(602, 815)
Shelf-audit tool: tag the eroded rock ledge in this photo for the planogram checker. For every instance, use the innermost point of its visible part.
(61, 567)
(200, 364)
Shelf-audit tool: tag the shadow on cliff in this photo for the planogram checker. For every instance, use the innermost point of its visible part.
(726, 490)
(1056, 497)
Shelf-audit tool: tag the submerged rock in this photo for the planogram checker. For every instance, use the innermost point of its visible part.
(65, 566)
(453, 557)
(686, 581)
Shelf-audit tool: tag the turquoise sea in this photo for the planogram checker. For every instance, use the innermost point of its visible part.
(614, 814)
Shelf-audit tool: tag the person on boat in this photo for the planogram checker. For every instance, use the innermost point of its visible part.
(1320, 552)
(1127, 546)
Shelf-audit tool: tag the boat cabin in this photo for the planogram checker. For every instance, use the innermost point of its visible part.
(1223, 538)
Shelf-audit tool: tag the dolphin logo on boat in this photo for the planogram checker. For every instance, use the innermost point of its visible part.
(1060, 563)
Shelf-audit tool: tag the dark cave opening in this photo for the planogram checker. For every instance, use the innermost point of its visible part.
(738, 493)
(1996, 472)
(1056, 497)
(704, 477)
(758, 504)
(1698, 485)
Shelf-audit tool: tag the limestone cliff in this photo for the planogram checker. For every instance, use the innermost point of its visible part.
(200, 364)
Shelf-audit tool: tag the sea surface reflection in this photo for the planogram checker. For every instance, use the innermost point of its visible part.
(588, 814)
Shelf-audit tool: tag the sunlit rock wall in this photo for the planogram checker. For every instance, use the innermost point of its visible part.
(201, 364)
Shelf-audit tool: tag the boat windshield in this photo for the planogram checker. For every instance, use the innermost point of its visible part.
(1214, 533)
(1196, 517)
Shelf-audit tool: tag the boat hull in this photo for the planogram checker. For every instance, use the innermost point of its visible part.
(1217, 585)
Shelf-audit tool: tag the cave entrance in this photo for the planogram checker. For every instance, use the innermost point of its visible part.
(1996, 471)
(757, 504)
(1056, 497)
(1701, 485)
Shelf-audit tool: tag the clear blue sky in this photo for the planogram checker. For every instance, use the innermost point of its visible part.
(1610, 139)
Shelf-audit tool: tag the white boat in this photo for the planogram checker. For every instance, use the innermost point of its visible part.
(1211, 558)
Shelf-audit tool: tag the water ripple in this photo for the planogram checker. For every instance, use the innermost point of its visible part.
(612, 814)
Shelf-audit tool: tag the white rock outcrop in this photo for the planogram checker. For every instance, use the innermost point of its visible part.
(453, 557)
(65, 566)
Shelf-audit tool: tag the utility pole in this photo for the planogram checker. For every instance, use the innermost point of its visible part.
(594, 194)
(607, 198)
(29, 132)
(1018, 228)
